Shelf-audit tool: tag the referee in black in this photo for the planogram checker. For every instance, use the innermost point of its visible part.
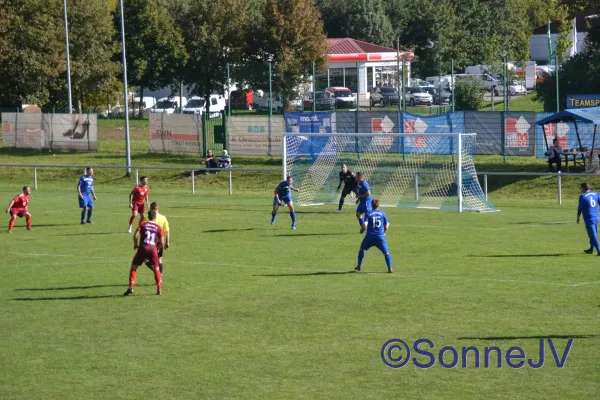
(349, 181)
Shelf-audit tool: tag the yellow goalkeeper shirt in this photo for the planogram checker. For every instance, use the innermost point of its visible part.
(161, 221)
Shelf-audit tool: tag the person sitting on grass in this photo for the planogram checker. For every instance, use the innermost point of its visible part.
(225, 160)
(210, 161)
(554, 156)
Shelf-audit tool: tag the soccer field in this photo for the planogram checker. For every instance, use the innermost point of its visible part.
(254, 311)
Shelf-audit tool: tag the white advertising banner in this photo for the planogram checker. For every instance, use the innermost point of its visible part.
(175, 133)
(53, 131)
(250, 135)
(73, 132)
(24, 131)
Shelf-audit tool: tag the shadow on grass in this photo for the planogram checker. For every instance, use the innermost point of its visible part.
(523, 255)
(229, 230)
(534, 337)
(52, 225)
(76, 287)
(313, 234)
(540, 223)
(68, 298)
(93, 233)
(319, 273)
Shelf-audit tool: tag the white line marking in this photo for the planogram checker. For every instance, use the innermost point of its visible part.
(425, 277)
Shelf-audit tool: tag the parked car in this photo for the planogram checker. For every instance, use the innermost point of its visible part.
(168, 105)
(418, 95)
(384, 96)
(261, 102)
(446, 96)
(241, 100)
(344, 98)
(197, 105)
(516, 88)
(296, 104)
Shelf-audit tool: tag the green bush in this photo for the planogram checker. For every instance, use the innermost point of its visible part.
(468, 96)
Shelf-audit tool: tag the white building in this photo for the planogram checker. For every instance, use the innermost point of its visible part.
(374, 65)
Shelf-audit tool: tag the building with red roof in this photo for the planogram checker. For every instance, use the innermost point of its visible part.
(374, 65)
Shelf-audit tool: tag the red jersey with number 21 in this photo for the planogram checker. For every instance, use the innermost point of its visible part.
(151, 235)
(21, 201)
(139, 194)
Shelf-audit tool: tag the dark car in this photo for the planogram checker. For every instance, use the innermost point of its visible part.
(241, 100)
(446, 96)
(324, 101)
(384, 96)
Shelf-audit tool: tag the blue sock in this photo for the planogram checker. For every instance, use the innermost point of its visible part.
(293, 216)
(594, 243)
(83, 215)
(361, 256)
(89, 215)
(361, 221)
(273, 216)
(388, 261)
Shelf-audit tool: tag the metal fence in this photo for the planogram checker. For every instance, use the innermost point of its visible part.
(192, 170)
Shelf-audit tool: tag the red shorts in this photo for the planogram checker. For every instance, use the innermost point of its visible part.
(144, 253)
(19, 212)
(140, 208)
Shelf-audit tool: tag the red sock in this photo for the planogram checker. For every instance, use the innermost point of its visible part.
(157, 277)
(140, 223)
(131, 220)
(11, 224)
(132, 275)
(28, 220)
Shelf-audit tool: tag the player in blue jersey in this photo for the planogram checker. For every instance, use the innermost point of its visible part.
(363, 200)
(283, 195)
(376, 225)
(85, 190)
(588, 206)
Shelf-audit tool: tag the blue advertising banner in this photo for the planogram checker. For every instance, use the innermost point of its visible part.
(421, 125)
(321, 122)
(310, 146)
(583, 100)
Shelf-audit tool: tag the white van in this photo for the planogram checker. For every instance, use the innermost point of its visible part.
(168, 105)
(147, 102)
(197, 105)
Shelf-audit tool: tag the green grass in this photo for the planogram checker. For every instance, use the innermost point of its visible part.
(255, 311)
(518, 103)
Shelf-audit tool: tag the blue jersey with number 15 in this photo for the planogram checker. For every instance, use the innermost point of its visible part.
(376, 222)
(588, 205)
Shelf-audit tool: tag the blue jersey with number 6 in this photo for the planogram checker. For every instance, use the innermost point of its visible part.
(588, 205)
(376, 222)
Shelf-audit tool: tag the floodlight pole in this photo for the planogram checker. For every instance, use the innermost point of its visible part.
(127, 144)
(68, 58)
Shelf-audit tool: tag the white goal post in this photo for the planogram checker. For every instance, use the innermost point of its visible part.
(432, 170)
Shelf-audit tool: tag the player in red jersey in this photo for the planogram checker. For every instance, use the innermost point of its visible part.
(18, 207)
(138, 199)
(147, 241)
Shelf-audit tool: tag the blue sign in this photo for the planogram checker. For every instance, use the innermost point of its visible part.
(583, 100)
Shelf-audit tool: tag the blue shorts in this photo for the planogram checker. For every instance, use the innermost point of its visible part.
(377, 241)
(363, 208)
(86, 201)
(284, 200)
(592, 228)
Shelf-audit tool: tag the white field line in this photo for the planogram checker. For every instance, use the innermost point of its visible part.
(395, 275)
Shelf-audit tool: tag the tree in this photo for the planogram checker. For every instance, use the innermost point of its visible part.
(365, 20)
(291, 35)
(31, 37)
(154, 46)
(579, 74)
(91, 49)
(214, 35)
(468, 95)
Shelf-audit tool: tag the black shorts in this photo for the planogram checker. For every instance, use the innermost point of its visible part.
(347, 190)
(160, 252)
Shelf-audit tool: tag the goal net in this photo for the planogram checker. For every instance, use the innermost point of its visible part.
(434, 170)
